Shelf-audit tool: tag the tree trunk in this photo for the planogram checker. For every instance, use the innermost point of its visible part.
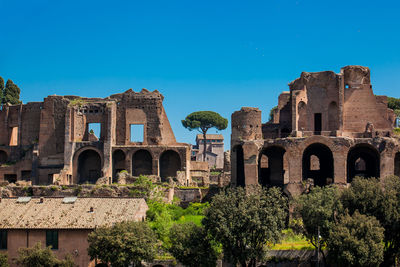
(205, 145)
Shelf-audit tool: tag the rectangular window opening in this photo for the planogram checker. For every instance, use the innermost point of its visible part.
(14, 136)
(3, 239)
(52, 239)
(137, 133)
(94, 131)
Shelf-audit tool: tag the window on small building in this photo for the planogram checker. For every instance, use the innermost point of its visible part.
(137, 133)
(3, 239)
(52, 239)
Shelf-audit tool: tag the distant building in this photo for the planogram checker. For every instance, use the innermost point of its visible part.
(63, 223)
(214, 150)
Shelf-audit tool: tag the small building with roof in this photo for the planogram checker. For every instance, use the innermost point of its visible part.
(214, 150)
(63, 223)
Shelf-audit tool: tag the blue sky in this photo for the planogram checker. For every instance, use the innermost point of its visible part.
(202, 55)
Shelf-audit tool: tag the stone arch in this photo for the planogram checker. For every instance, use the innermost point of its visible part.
(170, 163)
(3, 156)
(142, 163)
(88, 165)
(363, 160)
(333, 116)
(271, 166)
(318, 164)
(118, 162)
(397, 164)
(239, 165)
(302, 111)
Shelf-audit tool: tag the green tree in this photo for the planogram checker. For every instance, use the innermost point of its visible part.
(11, 93)
(356, 241)
(4, 260)
(271, 113)
(203, 121)
(318, 210)
(394, 103)
(381, 200)
(191, 245)
(37, 256)
(1, 90)
(246, 221)
(124, 244)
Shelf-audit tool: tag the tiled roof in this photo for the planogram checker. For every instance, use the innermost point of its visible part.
(54, 214)
(211, 136)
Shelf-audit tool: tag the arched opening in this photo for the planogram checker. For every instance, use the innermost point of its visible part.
(3, 157)
(89, 167)
(238, 153)
(170, 163)
(118, 163)
(302, 111)
(363, 160)
(142, 163)
(397, 164)
(270, 166)
(333, 116)
(318, 164)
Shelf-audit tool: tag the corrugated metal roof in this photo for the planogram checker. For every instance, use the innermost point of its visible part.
(54, 214)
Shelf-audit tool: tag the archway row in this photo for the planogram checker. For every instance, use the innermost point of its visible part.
(142, 163)
(317, 164)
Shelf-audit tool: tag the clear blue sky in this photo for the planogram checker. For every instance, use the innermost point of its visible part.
(202, 55)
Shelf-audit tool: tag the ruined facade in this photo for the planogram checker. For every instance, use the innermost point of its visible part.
(50, 142)
(329, 127)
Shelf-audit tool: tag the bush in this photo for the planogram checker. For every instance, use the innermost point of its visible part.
(37, 256)
(4, 260)
(246, 222)
(191, 245)
(356, 241)
(123, 244)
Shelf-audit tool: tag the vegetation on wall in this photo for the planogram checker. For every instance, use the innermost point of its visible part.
(271, 113)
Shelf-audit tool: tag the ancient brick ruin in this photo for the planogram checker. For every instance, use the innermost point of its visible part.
(50, 142)
(328, 128)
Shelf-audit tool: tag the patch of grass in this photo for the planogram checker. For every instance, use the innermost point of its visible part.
(215, 173)
(196, 219)
(292, 241)
(396, 131)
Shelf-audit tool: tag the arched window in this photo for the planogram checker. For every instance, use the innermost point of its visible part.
(318, 164)
(363, 160)
(170, 163)
(118, 162)
(270, 166)
(89, 166)
(142, 163)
